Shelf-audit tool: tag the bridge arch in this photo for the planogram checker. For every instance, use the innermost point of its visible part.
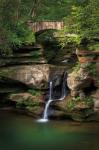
(46, 25)
(42, 31)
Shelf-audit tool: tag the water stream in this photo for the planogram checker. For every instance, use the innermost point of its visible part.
(45, 114)
(63, 95)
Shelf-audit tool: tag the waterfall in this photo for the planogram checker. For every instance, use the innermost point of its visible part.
(45, 114)
(64, 93)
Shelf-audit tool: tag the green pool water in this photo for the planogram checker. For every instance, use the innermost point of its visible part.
(18, 132)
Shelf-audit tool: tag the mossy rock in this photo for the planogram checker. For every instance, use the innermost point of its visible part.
(93, 117)
(83, 115)
(79, 109)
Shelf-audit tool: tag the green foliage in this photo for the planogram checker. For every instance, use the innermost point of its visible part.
(85, 19)
(77, 67)
(83, 24)
(50, 45)
(14, 30)
(15, 14)
(93, 46)
(36, 54)
(47, 36)
(92, 69)
(20, 34)
(23, 103)
(72, 103)
(80, 109)
(66, 38)
(34, 92)
(51, 10)
(80, 17)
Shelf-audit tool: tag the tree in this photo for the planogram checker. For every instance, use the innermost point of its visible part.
(52, 10)
(14, 16)
(13, 27)
(83, 22)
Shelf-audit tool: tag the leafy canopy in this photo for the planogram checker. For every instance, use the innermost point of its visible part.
(83, 23)
(80, 16)
(13, 28)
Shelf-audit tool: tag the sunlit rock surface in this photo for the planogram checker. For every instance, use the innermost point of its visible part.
(78, 80)
(95, 96)
(31, 75)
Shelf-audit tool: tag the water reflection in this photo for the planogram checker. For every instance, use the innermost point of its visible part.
(20, 132)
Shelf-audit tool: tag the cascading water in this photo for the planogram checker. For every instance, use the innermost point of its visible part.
(45, 115)
(64, 93)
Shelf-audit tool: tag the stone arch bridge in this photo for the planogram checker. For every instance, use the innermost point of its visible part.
(45, 25)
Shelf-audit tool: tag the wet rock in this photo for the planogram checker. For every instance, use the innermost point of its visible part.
(57, 79)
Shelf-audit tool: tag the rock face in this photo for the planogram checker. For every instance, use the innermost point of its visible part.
(96, 100)
(31, 75)
(36, 76)
(76, 105)
(30, 104)
(96, 77)
(77, 81)
(80, 109)
(83, 83)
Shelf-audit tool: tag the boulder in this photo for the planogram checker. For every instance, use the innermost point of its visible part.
(78, 80)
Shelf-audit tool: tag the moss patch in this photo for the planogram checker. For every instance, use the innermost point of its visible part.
(79, 109)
